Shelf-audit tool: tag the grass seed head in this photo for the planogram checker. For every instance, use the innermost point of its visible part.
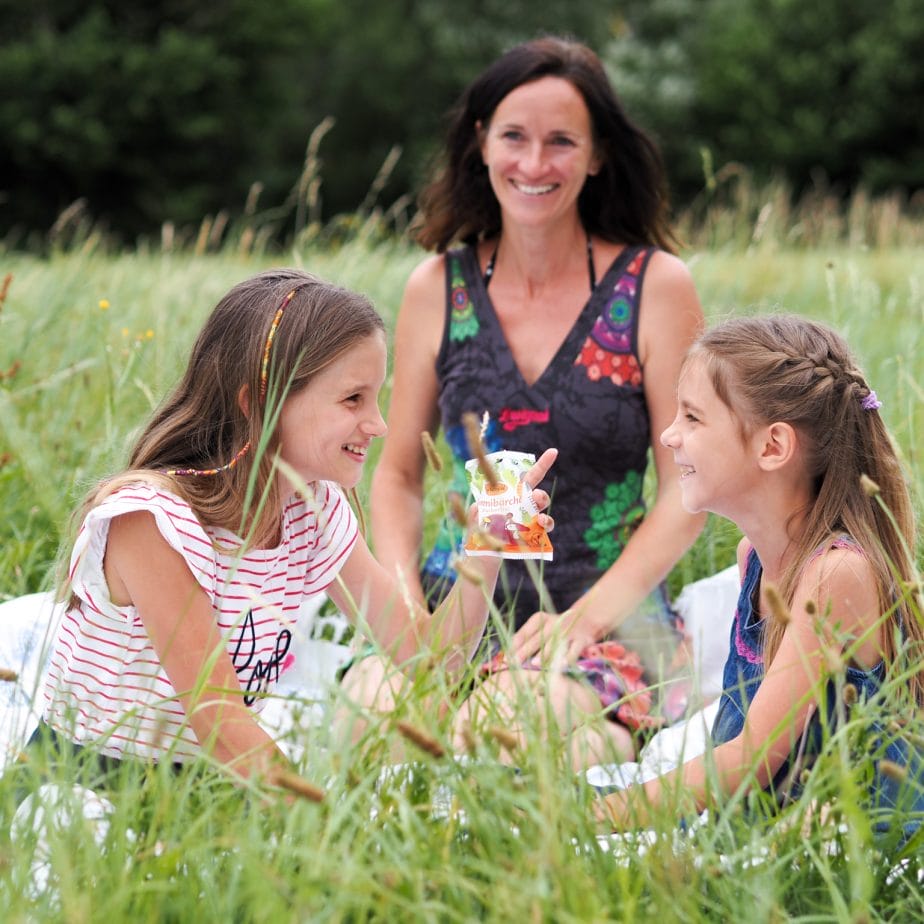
(893, 770)
(297, 784)
(421, 739)
(465, 570)
(487, 540)
(506, 739)
(429, 448)
(850, 694)
(457, 508)
(8, 676)
(870, 488)
(476, 447)
(778, 608)
(469, 740)
(834, 660)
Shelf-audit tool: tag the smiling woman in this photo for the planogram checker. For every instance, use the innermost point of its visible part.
(539, 150)
(555, 310)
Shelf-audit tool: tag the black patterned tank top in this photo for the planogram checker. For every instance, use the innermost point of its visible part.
(588, 402)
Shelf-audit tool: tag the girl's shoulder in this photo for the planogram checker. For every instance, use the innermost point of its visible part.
(142, 495)
(741, 556)
(174, 520)
(839, 565)
(839, 585)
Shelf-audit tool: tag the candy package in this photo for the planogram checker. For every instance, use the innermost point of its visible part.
(508, 520)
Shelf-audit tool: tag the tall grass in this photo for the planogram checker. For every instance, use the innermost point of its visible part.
(89, 341)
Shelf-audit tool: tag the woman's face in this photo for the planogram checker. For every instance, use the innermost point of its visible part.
(539, 150)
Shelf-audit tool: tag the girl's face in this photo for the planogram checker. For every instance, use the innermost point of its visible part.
(718, 465)
(539, 150)
(325, 429)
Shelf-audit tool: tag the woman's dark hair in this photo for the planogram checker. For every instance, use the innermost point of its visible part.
(625, 202)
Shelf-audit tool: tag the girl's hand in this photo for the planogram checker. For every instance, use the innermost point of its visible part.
(540, 498)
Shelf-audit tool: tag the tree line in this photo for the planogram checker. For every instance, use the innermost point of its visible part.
(153, 111)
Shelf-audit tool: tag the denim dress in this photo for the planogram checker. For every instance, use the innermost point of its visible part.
(744, 672)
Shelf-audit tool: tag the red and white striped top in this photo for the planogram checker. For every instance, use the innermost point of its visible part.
(105, 683)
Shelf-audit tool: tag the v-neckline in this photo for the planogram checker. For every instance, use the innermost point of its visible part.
(578, 331)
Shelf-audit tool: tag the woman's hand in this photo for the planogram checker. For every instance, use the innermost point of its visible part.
(554, 637)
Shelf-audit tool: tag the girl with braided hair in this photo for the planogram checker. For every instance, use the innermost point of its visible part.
(777, 430)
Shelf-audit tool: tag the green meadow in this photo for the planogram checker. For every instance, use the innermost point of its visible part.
(89, 342)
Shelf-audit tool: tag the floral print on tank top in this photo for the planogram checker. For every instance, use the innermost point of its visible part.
(463, 323)
(607, 351)
(589, 403)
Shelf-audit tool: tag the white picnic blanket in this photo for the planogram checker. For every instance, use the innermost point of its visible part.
(27, 625)
(26, 628)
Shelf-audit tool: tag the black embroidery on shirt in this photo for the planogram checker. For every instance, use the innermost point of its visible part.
(263, 672)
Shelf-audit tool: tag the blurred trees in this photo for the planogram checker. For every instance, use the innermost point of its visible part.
(829, 91)
(157, 110)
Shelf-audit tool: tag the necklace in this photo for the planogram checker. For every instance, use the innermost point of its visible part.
(489, 269)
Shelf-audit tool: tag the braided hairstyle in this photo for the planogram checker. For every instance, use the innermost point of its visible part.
(789, 369)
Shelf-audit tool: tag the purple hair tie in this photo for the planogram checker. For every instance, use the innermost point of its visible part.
(871, 402)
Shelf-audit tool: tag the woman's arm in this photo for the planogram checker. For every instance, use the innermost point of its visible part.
(840, 588)
(142, 570)
(670, 319)
(397, 484)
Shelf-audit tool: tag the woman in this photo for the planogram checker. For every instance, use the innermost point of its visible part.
(564, 318)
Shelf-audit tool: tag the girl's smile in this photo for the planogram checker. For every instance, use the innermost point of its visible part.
(709, 448)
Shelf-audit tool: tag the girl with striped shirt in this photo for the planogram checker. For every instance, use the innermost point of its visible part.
(190, 567)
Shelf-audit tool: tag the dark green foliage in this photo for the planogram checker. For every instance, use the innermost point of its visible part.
(823, 92)
(169, 110)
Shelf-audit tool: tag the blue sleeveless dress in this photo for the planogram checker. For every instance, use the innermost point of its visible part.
(590, 404)
(743, 674)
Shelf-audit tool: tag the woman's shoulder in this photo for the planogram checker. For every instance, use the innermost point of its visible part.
(428, 274)
(668, 269)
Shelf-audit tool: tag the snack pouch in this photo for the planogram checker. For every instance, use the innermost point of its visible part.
(507, 516)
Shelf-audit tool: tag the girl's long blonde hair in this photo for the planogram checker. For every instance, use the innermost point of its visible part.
(789, 369)
(202, 425)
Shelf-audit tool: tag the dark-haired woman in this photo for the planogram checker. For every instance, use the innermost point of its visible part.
(553, 304)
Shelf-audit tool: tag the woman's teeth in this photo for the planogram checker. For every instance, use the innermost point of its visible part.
(535, 190)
